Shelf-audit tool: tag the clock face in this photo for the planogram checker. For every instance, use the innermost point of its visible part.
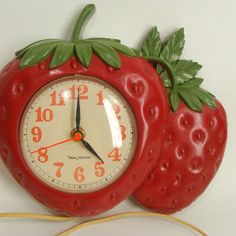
(83, 161)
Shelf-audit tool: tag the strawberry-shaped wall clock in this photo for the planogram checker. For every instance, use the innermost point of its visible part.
(195, 137)
(80, 121)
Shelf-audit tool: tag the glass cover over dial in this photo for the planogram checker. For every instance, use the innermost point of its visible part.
(72, 158)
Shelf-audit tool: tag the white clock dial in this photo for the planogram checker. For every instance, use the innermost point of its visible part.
(46, 134)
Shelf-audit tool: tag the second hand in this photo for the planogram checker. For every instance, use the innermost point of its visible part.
(75, 138)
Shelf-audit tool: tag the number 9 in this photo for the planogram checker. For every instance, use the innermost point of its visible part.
(37, 134)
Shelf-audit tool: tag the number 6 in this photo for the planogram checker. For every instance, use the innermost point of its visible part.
(78, 174)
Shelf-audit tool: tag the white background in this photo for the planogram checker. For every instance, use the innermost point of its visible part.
(210, 39)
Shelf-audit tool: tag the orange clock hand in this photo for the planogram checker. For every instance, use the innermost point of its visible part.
(75, 138)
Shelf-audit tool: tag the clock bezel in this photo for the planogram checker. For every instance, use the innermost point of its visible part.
(113, 91)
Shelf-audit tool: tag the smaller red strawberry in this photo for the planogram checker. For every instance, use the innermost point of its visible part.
(196, 136)
(192, 154)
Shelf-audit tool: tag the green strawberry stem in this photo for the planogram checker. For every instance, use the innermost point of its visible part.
(85, 15)
(168, 67)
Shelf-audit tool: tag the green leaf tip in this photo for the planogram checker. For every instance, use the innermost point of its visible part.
(174, 99)
(205, 97)
(152, 44)
(193, 96)
(185, 70)
(62, 54)
(191, 100)
(84, 54)
(173, 47)
(107, 54)
(194, 82)
(36, 54)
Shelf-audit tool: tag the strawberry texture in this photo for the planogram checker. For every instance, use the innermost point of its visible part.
(192, 153)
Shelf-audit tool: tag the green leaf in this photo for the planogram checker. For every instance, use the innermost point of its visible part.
(36, 54)
(195, 82)
(21, 52)
(174, 100)
(185, 70)
(114, 44)
(62, 54)
(84, 53)
(173, 48)
(152, 44)
(107, 54)
(122, 48)
(205, 97)
(190, 99)
(166, 79)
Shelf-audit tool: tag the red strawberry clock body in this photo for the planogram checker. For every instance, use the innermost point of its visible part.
(192, 153)
(79, 121)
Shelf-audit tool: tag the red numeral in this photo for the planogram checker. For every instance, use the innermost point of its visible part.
(99, 170)
(78, 174)
(58, 171)
(117, 110)
(37, 134)
(100, 98)
(123, 132)
(115, 154)
(73, 92)
(83, 91)
(44, 115)
(57, 99)
(42, 157)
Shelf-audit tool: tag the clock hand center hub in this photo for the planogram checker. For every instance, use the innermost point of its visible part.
(78, 135)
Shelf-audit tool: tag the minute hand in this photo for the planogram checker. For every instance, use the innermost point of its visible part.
(89, 147)
(78, 113)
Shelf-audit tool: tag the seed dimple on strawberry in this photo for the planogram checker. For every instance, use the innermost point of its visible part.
(195, 137)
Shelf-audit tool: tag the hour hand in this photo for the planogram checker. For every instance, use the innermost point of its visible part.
(89, 147)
